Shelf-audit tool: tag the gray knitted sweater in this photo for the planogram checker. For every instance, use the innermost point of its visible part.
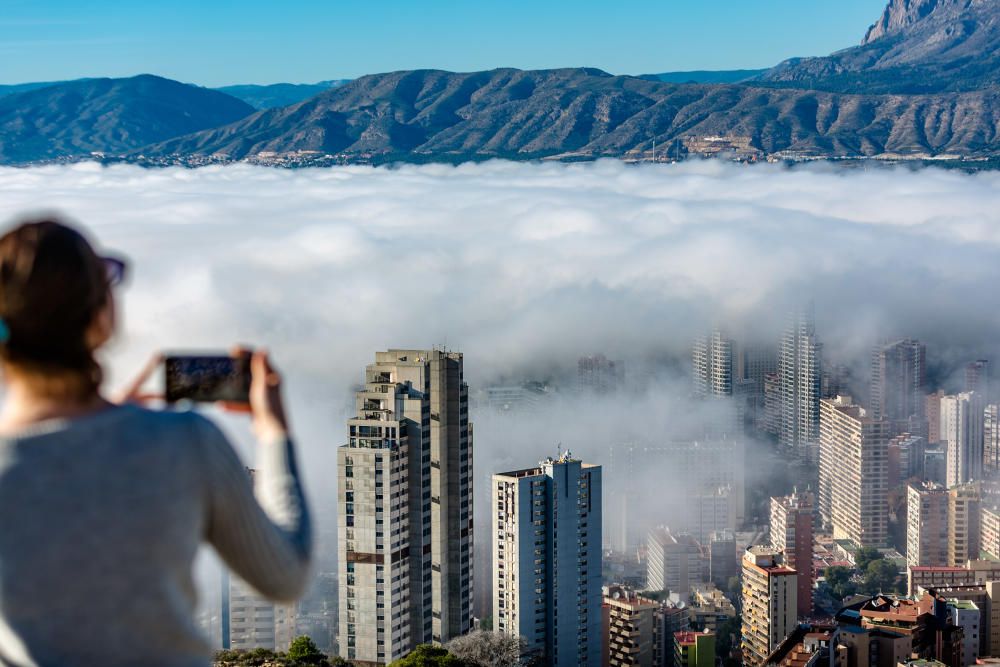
(100, 521)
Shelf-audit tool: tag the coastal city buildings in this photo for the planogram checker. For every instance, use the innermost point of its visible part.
(628, 621)
(673, 562)
(926, 524)
(712, 365)
(769, 603)
(792, 519)
(800, 371)
(961, 425)
(547, 559)
(853, 473)
(405, 508)
(898, 383)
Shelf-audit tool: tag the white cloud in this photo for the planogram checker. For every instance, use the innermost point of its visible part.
(526, 267)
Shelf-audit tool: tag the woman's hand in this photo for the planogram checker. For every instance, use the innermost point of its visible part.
(133, 393)
(266, 407)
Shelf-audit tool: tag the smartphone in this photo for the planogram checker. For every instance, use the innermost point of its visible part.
(207, 378)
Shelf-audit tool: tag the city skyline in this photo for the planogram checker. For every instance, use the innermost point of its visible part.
(312, 41)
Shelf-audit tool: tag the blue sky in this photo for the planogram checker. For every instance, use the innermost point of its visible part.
(218, 42)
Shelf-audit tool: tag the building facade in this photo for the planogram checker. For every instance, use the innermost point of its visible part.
(628, 628)
(712, 365)
(961, 427)
(853, 473)
(547, 559)
(769, 603)
(926, 524)
(792, 532)
(899, 380)
(800, 370)
(405, 508)
(991, 440)
(673, 562)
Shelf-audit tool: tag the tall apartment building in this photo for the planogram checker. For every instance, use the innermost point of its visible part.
(963, 524)
(898, 383)
(942, 525)
(989, 532)
(932, 408)
(405, 508)
(977, 378)
(600, 375)
(962, 432)
(628, 620)
(853, 473)
(673, 562)
(991, 439)
(770, 418)
(926, 524)
(769, 603)
(669, 619)
(712, 365)
(712, 510)
(792, 533)
(723, 561)
(800, 369)
(255, 621)
(906, 458)
(547, 559)
(251, 620)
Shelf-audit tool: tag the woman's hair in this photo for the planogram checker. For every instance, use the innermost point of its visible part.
(52, 286)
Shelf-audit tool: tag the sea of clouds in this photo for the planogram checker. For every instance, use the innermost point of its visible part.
(526, 267)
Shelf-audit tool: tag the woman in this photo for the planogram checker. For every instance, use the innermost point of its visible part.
(103, 506)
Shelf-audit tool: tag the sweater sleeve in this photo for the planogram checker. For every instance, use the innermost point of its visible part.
(266, 540)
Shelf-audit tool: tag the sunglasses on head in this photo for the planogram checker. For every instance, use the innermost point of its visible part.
(116, 269)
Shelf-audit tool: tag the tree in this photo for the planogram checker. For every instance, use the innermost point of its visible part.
(428, 655)
(881, 577)
(840, 581)
(239, 658)
(488, 649)
(303, 650)
(864, 556)
(728, 638)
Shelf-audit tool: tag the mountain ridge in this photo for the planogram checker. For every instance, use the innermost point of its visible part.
(81, 117)
(925, 81)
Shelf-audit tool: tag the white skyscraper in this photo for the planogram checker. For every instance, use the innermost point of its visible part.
(962, 418)
(547, 559)
(712, 365)
(800, 371)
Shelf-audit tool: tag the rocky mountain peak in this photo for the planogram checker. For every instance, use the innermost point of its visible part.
(901, 14)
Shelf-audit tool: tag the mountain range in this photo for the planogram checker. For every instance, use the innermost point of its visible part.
(924, 81)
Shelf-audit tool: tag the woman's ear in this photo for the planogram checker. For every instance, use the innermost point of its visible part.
(102, 328)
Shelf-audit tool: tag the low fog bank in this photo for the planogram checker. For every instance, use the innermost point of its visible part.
(527, 267)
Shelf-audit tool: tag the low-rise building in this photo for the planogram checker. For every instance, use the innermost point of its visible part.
(628, 620)
(694, 649)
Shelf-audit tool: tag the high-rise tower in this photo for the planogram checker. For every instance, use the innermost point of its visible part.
(712, 365)
(961, 424)
(898, 384)
(405, 508)
(547, 559)
(853, 473)
(792, 532)
(800, 371)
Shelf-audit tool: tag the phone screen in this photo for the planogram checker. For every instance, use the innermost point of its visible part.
(206, 379)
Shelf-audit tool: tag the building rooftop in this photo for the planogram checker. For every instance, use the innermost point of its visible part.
(688, 637)
(963, 604)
